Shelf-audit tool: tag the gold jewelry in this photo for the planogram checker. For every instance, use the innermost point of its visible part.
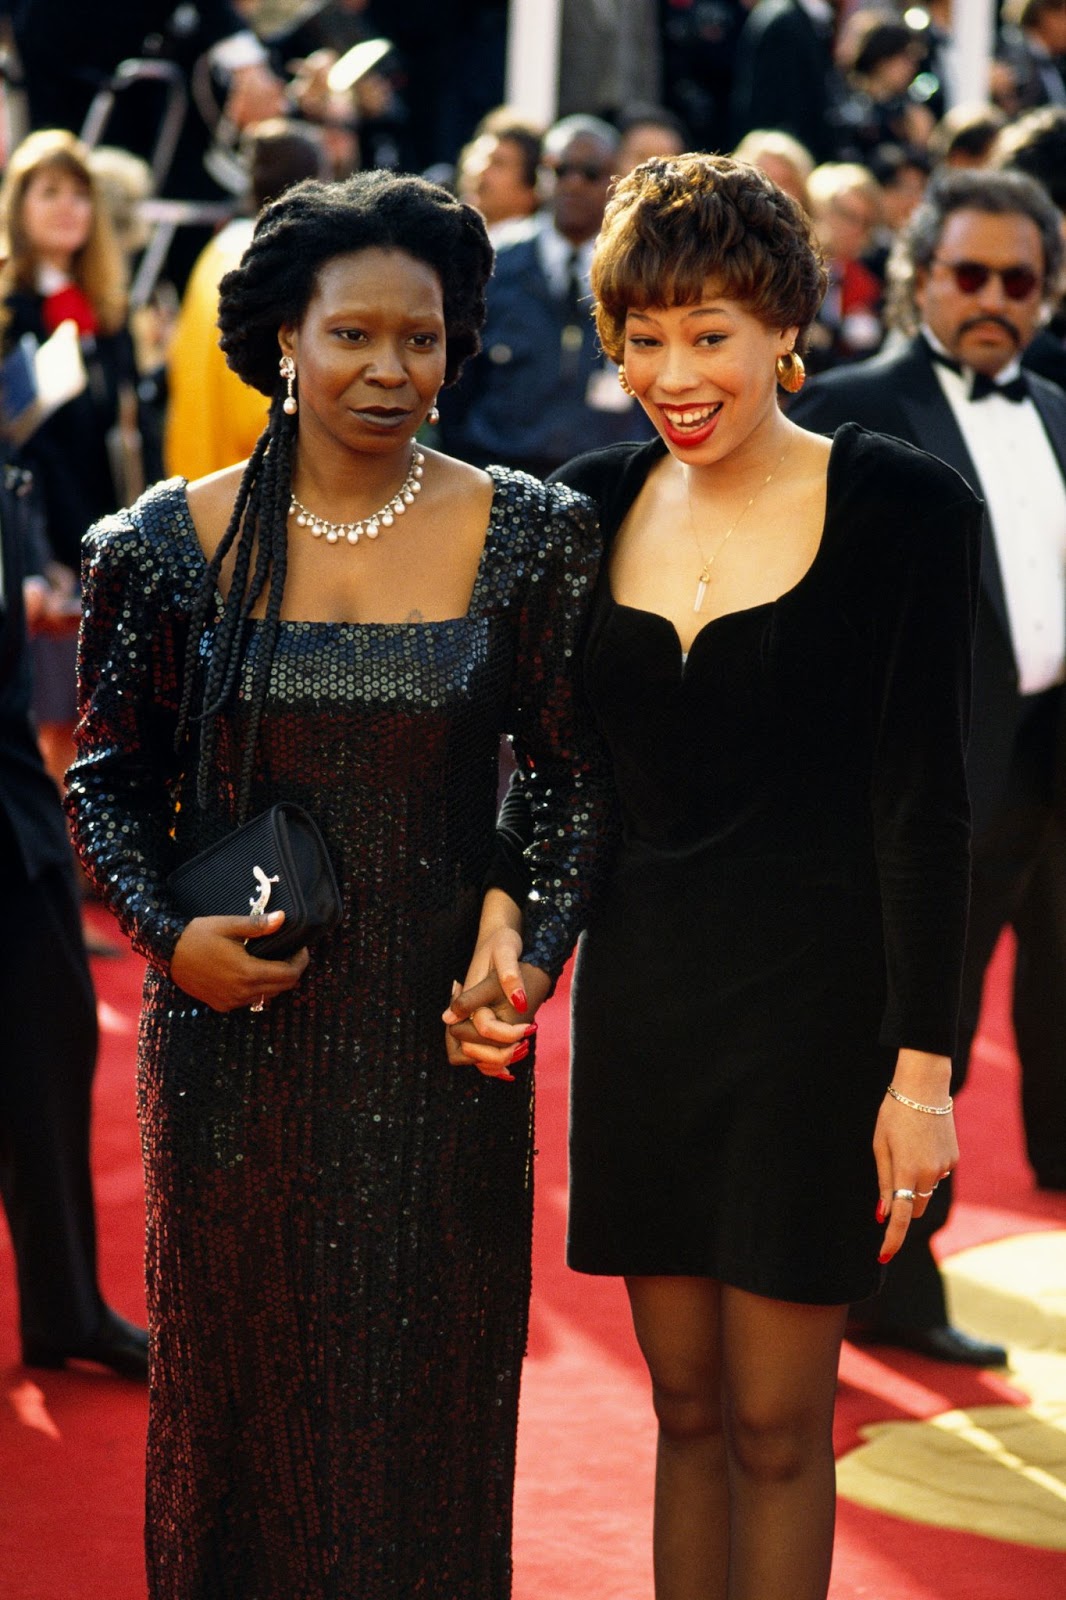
(624, 383)
(287, 368)
(336, 532)
(916, 1105)
(709, 561)
(791, 373)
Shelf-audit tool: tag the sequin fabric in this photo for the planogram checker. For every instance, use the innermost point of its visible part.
(339, 1221)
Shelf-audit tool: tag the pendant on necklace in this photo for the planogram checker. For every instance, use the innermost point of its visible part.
(701, 590)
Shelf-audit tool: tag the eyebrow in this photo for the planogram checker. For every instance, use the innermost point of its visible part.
(696, 311)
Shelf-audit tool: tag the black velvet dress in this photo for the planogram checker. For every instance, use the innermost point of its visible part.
(338, 1220)
(788, 907)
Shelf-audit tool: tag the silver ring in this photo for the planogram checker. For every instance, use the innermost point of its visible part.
(903, 1194)
(259, 1004)
(923, 1194)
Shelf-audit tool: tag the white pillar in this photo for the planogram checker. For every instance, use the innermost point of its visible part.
(973, 33)
(533, 58)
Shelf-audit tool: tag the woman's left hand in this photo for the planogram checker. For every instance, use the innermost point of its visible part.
(490, 1017)
(913, 1149)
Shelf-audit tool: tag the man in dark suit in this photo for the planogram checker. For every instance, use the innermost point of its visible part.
(970, 280)
(49, 1018)
(783, 75)
(541, 390)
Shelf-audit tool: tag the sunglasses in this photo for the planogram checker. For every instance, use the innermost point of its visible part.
(972, 276)
(575, 169)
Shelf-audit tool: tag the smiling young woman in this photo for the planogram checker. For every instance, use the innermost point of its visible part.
(339, 1215)
(778, 658)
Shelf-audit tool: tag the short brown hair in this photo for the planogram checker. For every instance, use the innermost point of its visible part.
(674, 222)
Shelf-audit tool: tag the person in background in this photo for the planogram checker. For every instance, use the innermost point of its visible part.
(1033, 47)
(1035, 143)
(901, 174)
(964, 136)
(784, 75)
(845, 203)
(977, 265)
(212, 417)
(645, 131)
(48, 1057)
(785, 161)
(68, 51)
(879, 56)
(63, 264)
(497, 172)
(540, 380)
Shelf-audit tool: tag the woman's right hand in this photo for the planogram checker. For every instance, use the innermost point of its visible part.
(210, 962)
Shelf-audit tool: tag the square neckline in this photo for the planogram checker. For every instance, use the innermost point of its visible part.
(472, 614)
(685, 656)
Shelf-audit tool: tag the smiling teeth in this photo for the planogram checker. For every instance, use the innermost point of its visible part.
(689, 419)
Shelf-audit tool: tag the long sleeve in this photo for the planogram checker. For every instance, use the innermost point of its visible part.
(563, 773)
(121, 788)
(923, 649)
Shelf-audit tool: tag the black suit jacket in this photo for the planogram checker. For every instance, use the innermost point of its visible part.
(898, 393)
(783, 77)
(33, 833)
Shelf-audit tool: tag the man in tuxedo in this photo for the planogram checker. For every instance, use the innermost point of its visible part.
(49, 1015)
(783, 74)
(969, 282)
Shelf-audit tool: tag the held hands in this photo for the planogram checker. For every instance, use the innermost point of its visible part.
(914, 1149)
(490, 1020)
(211, 964)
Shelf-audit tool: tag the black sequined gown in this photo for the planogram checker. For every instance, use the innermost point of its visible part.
(338, 1220)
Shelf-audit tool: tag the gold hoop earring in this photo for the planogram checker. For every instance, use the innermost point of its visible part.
(791, 373)
(287, 368)
(624, 383)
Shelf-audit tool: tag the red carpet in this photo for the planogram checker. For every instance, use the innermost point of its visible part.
(71, 1443)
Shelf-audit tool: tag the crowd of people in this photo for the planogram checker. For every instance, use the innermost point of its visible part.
(728, 490)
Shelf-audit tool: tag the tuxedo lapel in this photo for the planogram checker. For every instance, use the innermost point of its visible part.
(933, 427)
(1053, 416)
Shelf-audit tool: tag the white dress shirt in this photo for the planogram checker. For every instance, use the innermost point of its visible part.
(1022, 486)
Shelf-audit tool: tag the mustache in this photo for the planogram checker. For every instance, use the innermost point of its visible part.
(991, 317)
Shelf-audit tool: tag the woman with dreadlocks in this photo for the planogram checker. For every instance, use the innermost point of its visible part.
(338, 1219)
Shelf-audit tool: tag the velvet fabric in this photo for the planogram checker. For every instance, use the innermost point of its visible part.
(788, 906)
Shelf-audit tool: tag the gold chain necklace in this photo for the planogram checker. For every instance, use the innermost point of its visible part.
(709, 561)
(371, 526)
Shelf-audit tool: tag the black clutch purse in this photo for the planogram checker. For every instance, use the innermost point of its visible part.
(276, 862)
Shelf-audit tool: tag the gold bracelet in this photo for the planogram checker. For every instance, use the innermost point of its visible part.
(916, 1105)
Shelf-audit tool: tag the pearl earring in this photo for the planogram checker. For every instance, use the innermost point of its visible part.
(287, 368)
(433, 415)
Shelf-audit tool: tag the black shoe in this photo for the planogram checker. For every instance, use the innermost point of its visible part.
(117, 1344)
(942, 1344)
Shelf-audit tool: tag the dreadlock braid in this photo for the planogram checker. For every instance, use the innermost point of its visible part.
(259, 525)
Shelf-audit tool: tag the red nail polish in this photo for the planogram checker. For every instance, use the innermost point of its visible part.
(506, 1077)
(531, 1028)
(883, 1259)
(881, 1213)
(519, 1001)
(521, 1050)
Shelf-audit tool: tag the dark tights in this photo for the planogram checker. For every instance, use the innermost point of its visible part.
(744, 1389)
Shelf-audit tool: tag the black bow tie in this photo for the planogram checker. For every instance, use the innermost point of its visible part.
(981, 387)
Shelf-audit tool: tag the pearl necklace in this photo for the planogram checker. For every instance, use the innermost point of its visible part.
(336, 532)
